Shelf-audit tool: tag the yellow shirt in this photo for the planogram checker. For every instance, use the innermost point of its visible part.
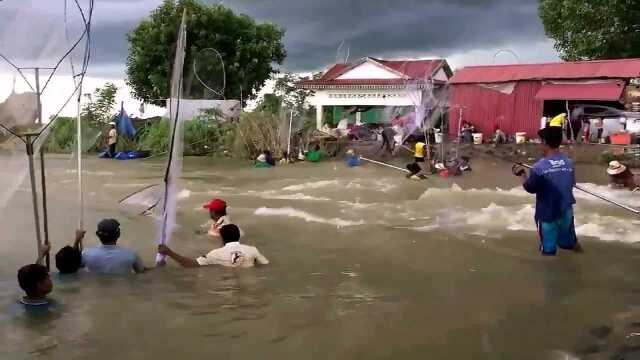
(558, 120)
(419, 153)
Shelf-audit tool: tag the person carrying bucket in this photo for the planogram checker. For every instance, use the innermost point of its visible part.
(552, 179)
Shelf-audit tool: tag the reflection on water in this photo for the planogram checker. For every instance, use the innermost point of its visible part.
(365, 265)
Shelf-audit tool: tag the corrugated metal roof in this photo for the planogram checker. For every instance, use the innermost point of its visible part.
(624, 68)
(605, 91)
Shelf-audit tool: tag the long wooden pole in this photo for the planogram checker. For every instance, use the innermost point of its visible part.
(385, 164)
(601, 197)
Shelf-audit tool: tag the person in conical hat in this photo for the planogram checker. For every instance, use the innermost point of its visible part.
(620, 176)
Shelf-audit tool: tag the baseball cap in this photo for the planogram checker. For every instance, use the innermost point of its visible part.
(215, 205)
(108, 226)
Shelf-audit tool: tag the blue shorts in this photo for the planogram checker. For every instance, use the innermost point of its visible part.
(559, 233)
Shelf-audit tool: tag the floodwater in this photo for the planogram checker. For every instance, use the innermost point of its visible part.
(364, 265)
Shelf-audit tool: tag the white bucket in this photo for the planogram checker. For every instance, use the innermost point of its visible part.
(438, 138)
(477, 138)
(521, 137)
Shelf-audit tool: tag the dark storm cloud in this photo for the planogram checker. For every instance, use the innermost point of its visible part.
(392, 28)
(314, 28)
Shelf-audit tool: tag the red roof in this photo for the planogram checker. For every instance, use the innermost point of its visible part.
(617, 69)
(414, 69)
(605, 91)
(410, 69)
(347, 82)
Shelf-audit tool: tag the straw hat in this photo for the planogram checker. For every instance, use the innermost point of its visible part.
(350, 152)
(615, 168)
(262, 158)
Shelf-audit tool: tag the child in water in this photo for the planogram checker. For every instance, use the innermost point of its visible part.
(34, 280)
(69, 259)
(218, 214)
(352, 159)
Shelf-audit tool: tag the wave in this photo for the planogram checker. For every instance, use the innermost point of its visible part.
(625, 197)
(296, 196)
(123, 185)
(495, 219)
(295, 213)
(87, 172)
(311, 185)
(184, 194)
(455, 188)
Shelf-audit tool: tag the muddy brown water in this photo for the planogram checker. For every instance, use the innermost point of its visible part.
(364, 265)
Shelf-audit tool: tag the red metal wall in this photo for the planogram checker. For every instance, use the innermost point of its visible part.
(486, 108)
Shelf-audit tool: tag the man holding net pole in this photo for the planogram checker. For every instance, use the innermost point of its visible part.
(552, 179)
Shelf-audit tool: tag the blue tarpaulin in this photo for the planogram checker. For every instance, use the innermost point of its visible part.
(124, 125)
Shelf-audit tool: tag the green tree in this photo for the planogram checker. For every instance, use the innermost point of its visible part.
(248, 50)
(100, 108)
(291, 96)
(593, 29)
(270, 103)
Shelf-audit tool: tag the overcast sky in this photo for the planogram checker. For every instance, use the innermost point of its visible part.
(466, 32)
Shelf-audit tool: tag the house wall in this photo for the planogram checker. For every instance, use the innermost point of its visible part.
(441, 75)
(485, 108)
(346, 97)
(369, 70)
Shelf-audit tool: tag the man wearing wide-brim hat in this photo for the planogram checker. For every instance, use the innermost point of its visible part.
(112, 139)
(621, 177)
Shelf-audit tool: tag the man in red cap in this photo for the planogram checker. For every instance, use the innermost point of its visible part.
(218, 213)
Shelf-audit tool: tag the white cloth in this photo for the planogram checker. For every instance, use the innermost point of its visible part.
(113, 136)
(233, 254)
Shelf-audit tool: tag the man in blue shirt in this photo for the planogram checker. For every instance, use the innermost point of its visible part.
(111, 258)
(552, 179)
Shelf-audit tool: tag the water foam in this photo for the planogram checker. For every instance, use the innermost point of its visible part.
(296, 196)
(494, 219)
(184, 194)
(455, 188)
(622, 196)
(295, 213)
(87, 172)
(311, 185)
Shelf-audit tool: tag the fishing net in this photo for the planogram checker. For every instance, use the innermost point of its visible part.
(169, 201)
(45, 68)
(343, 52)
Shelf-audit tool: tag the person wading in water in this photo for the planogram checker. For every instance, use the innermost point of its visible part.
(112, 139)
(552, 179)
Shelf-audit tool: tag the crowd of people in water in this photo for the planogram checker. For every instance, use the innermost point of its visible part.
(112, 259)
(551, 179)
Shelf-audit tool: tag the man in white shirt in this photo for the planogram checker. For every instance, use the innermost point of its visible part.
(112, 139)
(232, 254)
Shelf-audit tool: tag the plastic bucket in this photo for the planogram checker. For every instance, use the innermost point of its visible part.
(521, 137)
(438, 138)
(477, 138)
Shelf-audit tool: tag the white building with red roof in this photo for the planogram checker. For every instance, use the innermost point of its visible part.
(361, 91)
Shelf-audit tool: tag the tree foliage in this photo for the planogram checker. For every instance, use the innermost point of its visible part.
(292, 97)
(248, 49)
(593, 29)
(100, 109)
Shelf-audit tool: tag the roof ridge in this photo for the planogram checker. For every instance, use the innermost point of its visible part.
(553, 63)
